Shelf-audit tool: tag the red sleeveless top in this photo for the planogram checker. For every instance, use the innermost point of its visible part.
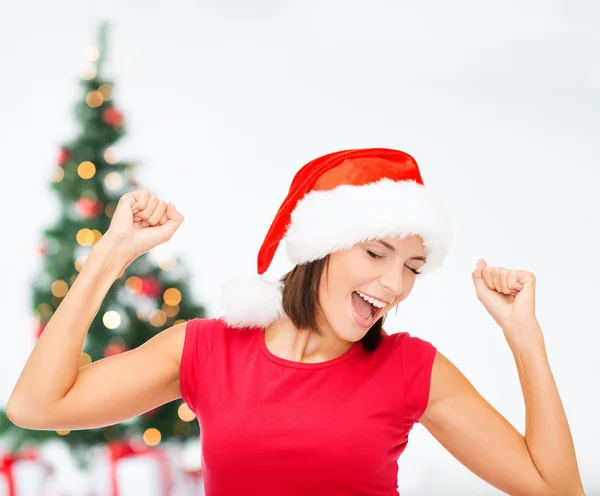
(275, 427)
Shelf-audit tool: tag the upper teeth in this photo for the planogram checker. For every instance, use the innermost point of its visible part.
(372, 301)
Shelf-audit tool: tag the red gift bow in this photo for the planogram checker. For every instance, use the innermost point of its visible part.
(118, 450)
(6, 465)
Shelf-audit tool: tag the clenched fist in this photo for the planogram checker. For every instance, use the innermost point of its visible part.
(141, 222)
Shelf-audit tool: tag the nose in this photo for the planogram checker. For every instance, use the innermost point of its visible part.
(393, 282)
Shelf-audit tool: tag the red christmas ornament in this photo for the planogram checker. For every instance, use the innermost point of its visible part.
(112, 117)
(88, 208)
(42, 250)
(64, 155)
(114, 349)
(151, 287)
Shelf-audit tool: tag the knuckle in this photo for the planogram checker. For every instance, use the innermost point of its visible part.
(140, 193)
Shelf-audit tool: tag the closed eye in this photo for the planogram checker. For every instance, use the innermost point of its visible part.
(372, 254)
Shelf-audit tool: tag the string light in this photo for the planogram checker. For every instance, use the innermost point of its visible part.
(62, 433)
(158, 318)
(58, 175)
(107, 91)
(111, 155)
(113, 181)
(85, 237)
(94, 99)
(152, 436)
(111, 319)
(172, 296)
(86, 170)
(59, 288)
(170, 311)
(134, 284)
(185, 413)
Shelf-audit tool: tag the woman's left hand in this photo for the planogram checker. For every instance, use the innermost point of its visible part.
(509, 297)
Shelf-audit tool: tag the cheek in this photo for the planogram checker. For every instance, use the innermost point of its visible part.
(349, 271)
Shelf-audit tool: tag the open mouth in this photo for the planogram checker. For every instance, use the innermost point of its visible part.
(365, 310)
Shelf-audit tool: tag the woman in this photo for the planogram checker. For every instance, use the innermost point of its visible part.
(297, 387)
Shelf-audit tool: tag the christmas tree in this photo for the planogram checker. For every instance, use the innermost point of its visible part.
(150, 295)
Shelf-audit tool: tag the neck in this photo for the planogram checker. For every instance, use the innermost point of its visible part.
(285, 340)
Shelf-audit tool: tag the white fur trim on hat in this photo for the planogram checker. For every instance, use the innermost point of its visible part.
(327, 221)
(251, 302)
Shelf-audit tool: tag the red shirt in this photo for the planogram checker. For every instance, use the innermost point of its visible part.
(277, 427)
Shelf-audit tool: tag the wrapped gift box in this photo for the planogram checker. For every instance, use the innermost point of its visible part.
(129, 468)
(23, 474)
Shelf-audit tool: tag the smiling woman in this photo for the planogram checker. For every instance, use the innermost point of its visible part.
(360, 227)
(297, 385)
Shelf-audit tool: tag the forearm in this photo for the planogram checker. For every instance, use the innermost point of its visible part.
(547, 432)
(53, 365)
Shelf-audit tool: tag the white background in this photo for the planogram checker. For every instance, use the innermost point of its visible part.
(499, 102)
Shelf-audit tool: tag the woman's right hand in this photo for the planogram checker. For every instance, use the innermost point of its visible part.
(141, 222)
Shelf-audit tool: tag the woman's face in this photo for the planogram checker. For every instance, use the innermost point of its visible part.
(382, 270)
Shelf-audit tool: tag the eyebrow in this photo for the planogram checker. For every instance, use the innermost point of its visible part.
(392, 249)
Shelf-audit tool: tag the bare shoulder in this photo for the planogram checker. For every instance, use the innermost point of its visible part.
(447, 381)
(170, 342)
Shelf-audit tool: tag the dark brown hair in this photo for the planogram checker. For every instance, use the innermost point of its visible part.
(301, 301)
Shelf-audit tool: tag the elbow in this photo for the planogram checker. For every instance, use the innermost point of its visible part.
(26, 417)
(13, 413)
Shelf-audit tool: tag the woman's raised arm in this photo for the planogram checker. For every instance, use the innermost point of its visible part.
(52, 392)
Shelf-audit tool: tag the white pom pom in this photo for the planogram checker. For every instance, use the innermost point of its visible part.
(251, 302)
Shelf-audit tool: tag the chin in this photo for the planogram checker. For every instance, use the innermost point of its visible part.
(347, 330)
(353, 331)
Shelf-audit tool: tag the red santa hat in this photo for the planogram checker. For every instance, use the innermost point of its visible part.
(334, 202)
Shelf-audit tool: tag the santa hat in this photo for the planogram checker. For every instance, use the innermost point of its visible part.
(334, 202)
